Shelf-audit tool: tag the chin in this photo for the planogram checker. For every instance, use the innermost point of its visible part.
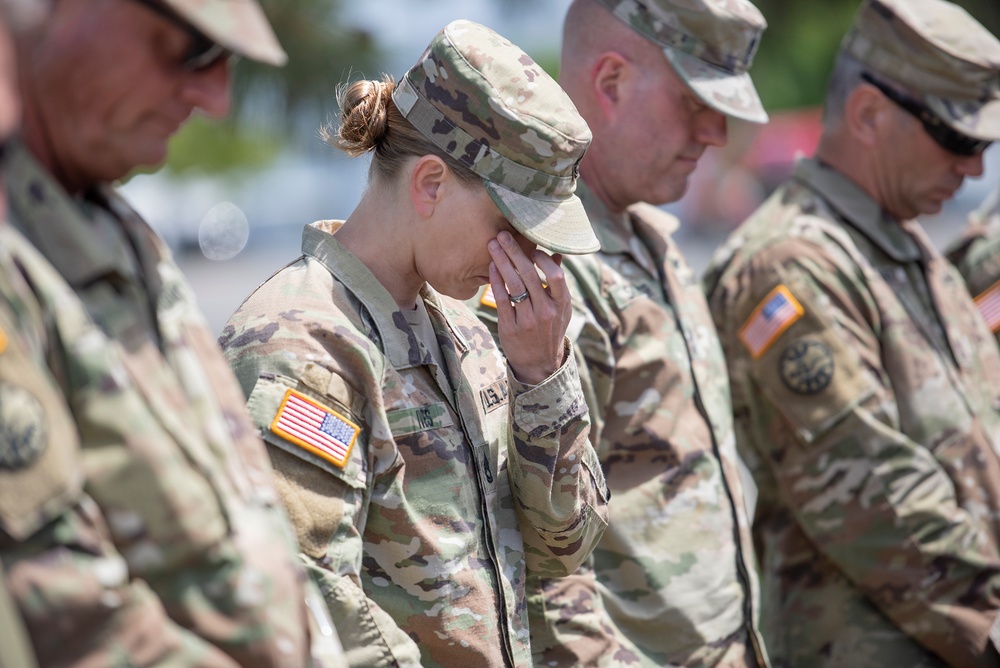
(460, 292)
(930, 208)
(150, 159)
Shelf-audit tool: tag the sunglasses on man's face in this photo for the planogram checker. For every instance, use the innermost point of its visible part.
(947, 137)
(203, 53)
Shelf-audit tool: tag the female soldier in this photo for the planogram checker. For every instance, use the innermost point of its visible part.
(423, 476)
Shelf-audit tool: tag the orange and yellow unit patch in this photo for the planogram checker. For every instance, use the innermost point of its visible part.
(488, 299)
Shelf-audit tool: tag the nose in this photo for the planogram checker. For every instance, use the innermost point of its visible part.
(208, 90)
(970, 165)
(711, 128)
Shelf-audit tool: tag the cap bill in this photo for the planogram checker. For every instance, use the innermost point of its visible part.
(976, 118)
(729, 93)
(238, 25)
(559, 226)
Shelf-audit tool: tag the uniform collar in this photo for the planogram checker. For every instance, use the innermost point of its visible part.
(399, 346)
(60, 226)
(859, 210)
(614, 231)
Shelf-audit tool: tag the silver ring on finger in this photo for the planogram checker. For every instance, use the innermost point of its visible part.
(517, 299)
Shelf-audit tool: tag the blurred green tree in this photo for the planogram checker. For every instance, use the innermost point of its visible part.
(273, 107)
(801, 42)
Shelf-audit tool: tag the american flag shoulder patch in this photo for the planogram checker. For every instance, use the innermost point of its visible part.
(488, 299)
(776, 313)
(988, 304)
(316, 428)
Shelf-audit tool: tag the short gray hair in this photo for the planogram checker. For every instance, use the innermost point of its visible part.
(846, 76)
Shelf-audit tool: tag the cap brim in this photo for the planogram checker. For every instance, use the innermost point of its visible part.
(559, 226)
(731, 94)
(975, 118)
(238, 25)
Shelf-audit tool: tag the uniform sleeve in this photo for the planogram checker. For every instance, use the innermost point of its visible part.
(823, 417)
(978, 260)
(591, 347)
(571, 627)
(558, 483)
(72, 588)
(326, 497)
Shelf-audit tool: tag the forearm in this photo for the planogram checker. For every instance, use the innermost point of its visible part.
(892, 524)
(558, 484)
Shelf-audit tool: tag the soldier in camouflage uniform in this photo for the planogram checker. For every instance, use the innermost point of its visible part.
(866, 387)
(427, 478)
(53, 539)
(13, 637)
(672, 581)
(142, 527)
(977, 256)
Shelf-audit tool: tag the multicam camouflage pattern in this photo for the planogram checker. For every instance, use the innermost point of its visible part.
(69, 583)
(935, 48)
(674, 570)
(13, 637)
(423, 539)
(169, 454)
(710, 43)
(878, 519)
(487, 104)
(238, 25)
(977, 256)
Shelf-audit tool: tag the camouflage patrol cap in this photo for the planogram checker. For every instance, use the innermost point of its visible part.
(487, 104)
(938, 50)
(710, 43)
(237, 25)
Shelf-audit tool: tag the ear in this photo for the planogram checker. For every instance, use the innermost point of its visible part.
(866, 113)
(612, 79)
(427, 178)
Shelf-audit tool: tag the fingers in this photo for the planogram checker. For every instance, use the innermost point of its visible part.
(516, 268)
(555, 279)
(505, 310)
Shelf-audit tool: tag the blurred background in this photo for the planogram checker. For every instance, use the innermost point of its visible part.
(234, 195)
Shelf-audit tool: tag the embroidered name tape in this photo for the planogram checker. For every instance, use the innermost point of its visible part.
(776, 313)
(406, 421)
(988, 304)
(488, 299)
(315, 428)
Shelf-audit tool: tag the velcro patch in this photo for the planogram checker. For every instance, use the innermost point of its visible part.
(776, 313)
(407, 421)
(315, 428)
(494, 396)
(807, 366)
(988, 304)
(487, 299)
(23, 430)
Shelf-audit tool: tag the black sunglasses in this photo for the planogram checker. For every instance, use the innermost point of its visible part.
(203, 53)
(946, 137)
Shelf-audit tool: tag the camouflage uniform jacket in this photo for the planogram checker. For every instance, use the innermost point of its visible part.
(69, 583)
(866, 389)
(674, 568)
(977, 256)
(13, 637)
(455, 482)
(170, 456)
